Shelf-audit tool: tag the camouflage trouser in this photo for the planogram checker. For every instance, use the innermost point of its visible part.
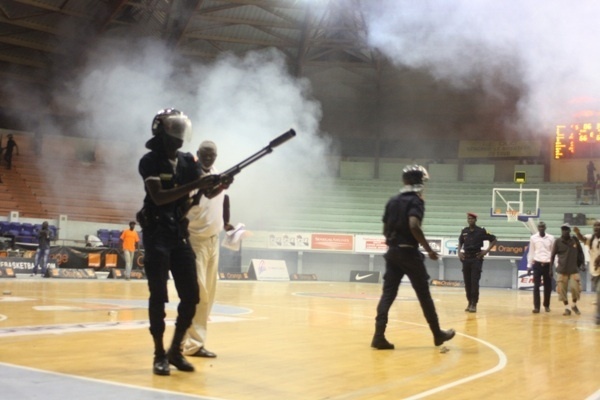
(563, 281)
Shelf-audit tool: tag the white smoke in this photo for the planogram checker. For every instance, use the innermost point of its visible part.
(239, 103)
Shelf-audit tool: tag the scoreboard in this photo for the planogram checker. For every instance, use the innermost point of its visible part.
(580, 140)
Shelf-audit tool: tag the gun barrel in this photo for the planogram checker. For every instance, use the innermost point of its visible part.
(236, 169)
(282, 138)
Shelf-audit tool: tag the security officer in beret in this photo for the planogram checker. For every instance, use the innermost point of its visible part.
(402, 230)
(470, 252)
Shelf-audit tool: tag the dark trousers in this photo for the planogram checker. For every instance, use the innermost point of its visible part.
(165, 253)
(400, 261)
(471, 275)
(541, 271)
(8, 159)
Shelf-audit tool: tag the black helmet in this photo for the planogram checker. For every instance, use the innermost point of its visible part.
(415, 175)
(173, 123)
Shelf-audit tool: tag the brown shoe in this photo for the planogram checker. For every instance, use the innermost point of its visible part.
(202, 352)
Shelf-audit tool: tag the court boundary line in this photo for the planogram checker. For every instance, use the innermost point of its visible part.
(109, 383)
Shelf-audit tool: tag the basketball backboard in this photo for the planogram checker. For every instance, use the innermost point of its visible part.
(516, 204)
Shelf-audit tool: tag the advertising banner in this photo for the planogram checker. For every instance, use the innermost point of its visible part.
(268, 270)
(372, 244)
(332, 242)
(289, 240)
(496, 148)
(365, 276)
(73, 257)
(508, 248)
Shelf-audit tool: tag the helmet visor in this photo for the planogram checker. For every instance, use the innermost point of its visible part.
(178, 126)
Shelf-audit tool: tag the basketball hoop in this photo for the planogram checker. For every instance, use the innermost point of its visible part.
(512, 215)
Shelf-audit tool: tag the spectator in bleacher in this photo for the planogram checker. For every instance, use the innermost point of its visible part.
(591, 173)
(93, 241)
(470, 244)
(402, 230)
(11, 145)
(169, 177)
(593, 243)
(538, 261)
(207, 219)
(44, 236)
(570, 261)
(130, 240)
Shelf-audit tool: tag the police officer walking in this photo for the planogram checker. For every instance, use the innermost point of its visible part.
(402, 230)
(169, 176)
(471, 242)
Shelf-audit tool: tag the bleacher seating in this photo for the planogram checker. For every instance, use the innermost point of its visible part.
(83, 192)
(104, 235)
(114, 238)
(356, 206)
(23, 232)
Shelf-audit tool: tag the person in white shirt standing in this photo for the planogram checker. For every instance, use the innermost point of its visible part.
(207, 219)
(593, 244)
(538, 261)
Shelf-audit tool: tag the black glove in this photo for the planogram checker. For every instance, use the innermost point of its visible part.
(582, 267)
(528, 271)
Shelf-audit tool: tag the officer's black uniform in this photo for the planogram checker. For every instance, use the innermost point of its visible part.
(404, 258)
(471, 241)
(166, 247)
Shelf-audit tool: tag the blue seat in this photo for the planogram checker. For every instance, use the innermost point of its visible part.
(115, 238)
(4, 227)
(36, 228)
(14, 232)
(27, 229)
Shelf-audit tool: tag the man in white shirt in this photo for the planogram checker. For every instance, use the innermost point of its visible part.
(207, 219)
(538, 260)
(593, 243)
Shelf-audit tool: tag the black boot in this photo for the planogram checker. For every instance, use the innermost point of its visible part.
(174, 355)
(160, 365)
(178, 360)
(443, 336)
(379, 341)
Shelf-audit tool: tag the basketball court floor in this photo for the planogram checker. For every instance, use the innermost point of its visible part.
(88, 339)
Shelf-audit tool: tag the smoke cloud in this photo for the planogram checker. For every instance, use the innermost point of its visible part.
(548, 51)
(239, 103)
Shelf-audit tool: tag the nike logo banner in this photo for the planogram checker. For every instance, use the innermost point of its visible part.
(365, 276)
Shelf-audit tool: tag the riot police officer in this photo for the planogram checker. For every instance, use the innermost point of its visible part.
(402, 230)
(169, 176)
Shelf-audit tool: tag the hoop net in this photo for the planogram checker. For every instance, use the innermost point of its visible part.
(512, 215)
